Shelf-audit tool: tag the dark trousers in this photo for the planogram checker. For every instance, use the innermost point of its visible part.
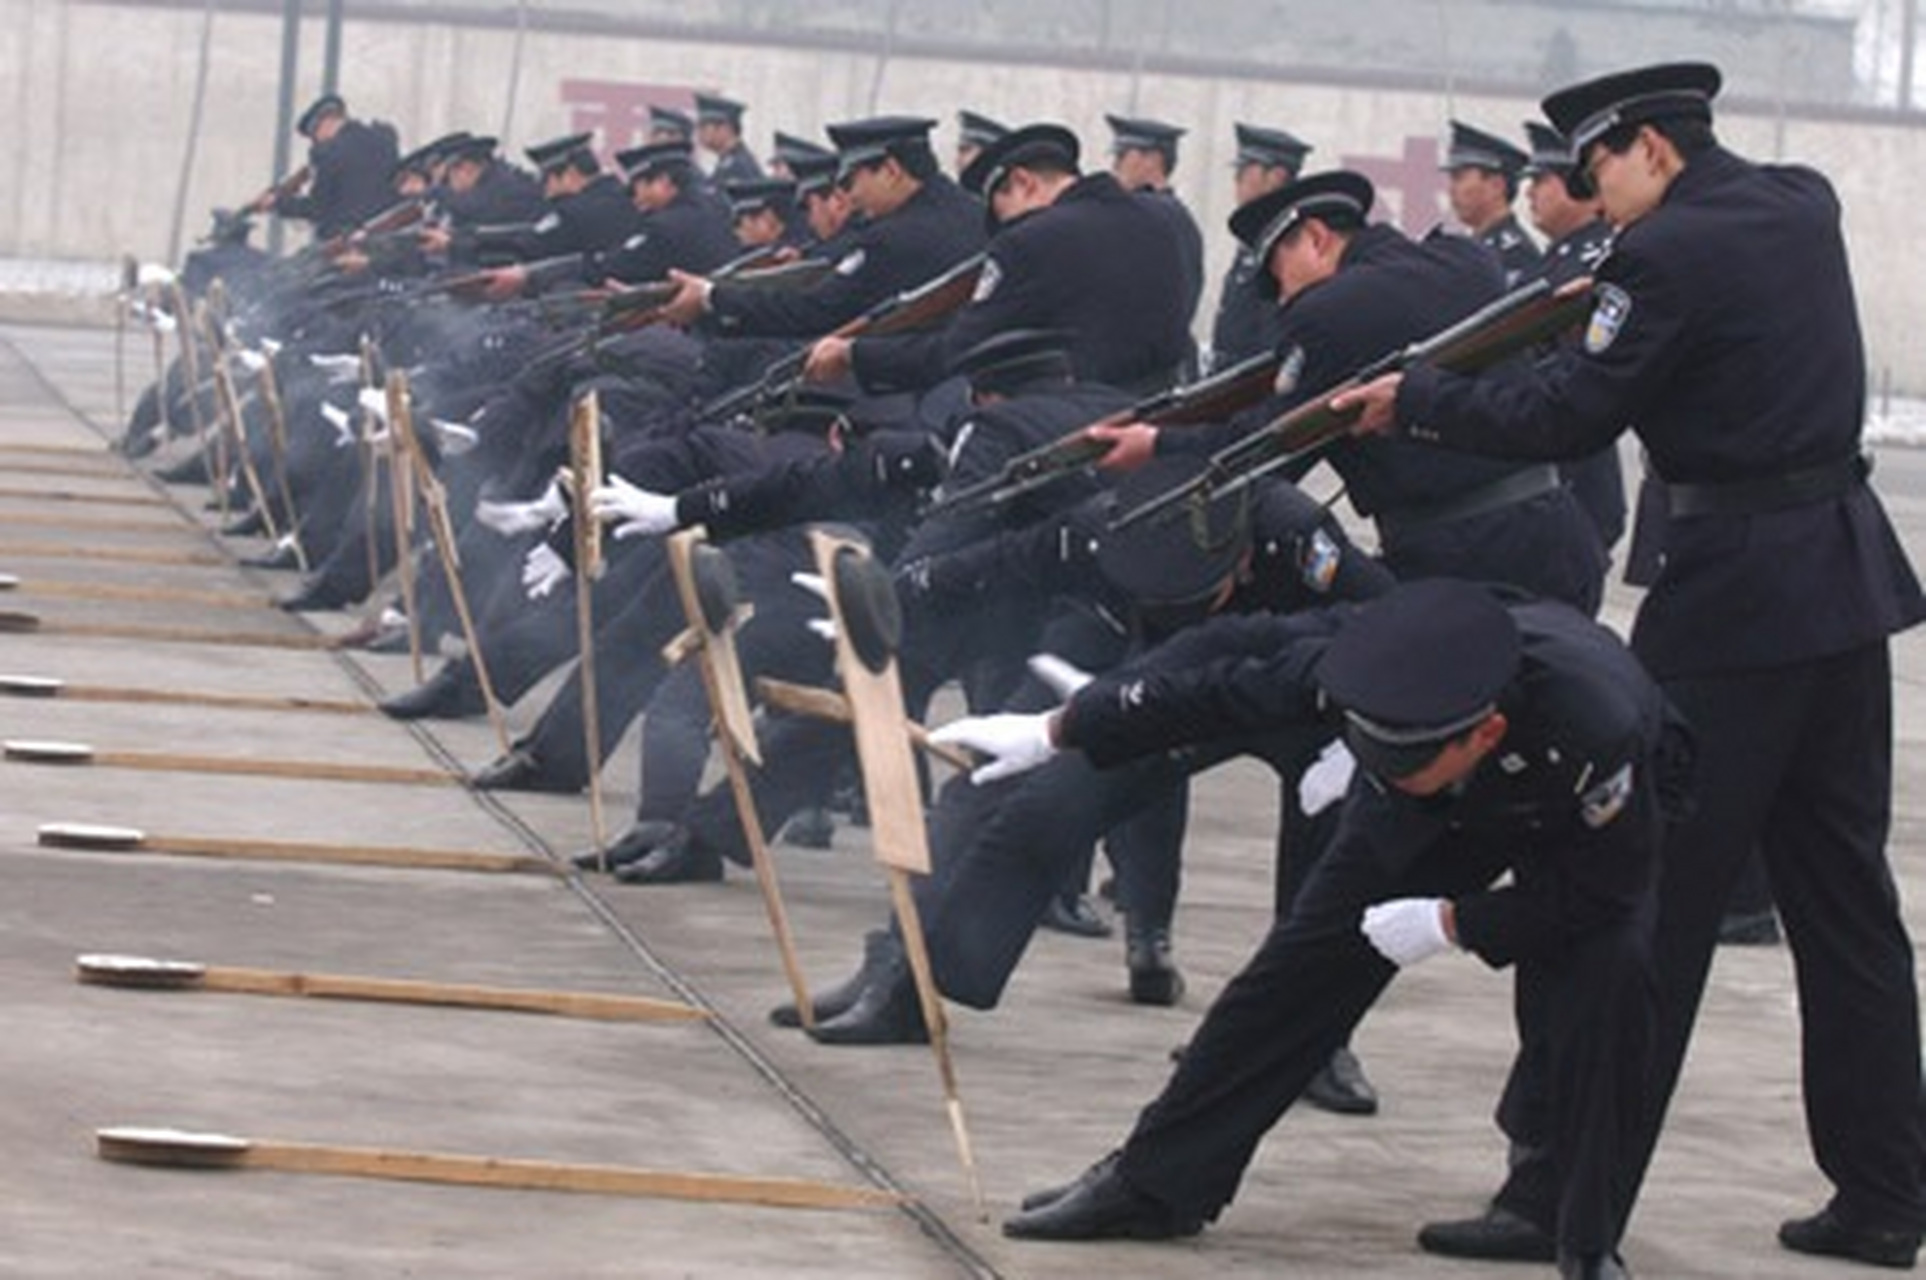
(1796, 761)
(1314, 977)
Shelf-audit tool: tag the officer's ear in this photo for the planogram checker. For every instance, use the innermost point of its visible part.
(1489, 732)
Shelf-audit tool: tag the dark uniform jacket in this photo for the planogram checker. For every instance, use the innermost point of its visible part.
(935, 229)
(1726, 333)
(690, 233)
(1596, 480)
(1573, 794)
(504, 195)
(352, 178)
(1514, 248)
(735, 165)
(1096, 262)
(1190, 244)
(1247, 323)
(1389, 291)
(588, 223)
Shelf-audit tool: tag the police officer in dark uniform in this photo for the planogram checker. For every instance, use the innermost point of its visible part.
(975, 131)
(666, 124)
(1490, 738)
(718, 123)
(1354, 291)
(352, 162)
(1578, 238)
(589, 214)
(916, 225)
(1483, 171)
(787, 148)
(1143, 155)
(1247, 320)
(763, 215)
(1053, 263)
(684, 225)
(1725, 332)
(482, 189)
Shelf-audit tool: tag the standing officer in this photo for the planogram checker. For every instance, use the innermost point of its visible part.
(1247, 319)
(718, 129)
(666, 124)
(917, 225)
(1483, 171)
(1143, 155)
(1725, 331)
(1490, 738)
(352, 164)
(1579, 238)
(1051, 264)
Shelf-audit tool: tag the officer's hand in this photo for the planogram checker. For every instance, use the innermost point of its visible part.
(1131, 445)
(1407, 930)
(511, 518)
(643, 514)
(543, 571)
(1375, 403)
(823, 628)
(690, 301)
(828, 361)
(343, 424)
(434, 239)
(1326, 781)
(1015, 743)
(1060, 677)
(503, 283)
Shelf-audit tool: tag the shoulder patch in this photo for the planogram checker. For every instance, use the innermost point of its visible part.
(850, 263)
(987, 280)
(636, 241)
(1604, 802)
(1318, 560)
(1609, 313)
(1289, 370)
(547, 223)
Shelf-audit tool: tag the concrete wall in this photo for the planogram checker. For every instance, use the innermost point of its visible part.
(99, 101)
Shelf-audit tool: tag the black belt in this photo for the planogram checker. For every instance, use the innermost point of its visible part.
(1769, 493)
(1519, 486)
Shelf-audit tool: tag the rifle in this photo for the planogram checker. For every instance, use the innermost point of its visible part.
(1523, 318)
(904, 312)
(275, 192)
(1210, 400)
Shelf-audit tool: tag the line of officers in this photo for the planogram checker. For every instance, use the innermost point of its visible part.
(1466, 760)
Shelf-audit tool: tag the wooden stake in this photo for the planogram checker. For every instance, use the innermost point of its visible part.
(93, 838)
(830, 705)
(278, 451)
(585, 472)
(735, 731)
(142, 973)
(401, 495)
(175, 1149)
(26, 751)
(15, 686)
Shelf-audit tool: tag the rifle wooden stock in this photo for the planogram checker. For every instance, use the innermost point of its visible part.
(275, 192)
(1523, 318)
(1211, 400)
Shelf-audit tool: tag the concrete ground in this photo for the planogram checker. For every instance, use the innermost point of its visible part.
(1050, 1081)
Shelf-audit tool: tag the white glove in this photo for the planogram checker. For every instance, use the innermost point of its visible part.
(252, 361)
(270, 347)
(374, 401)
(823, 629)
(1328, 778)
(1015, 743)
(1058, 676)
(162, 321)
(1407, 930)
(543, 571)
(153, 273)
(337, 417)
(642, 514)
(511, 518)
(455, 438)
(341, 368)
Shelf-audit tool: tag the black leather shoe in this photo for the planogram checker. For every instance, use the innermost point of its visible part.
(1826, 1235)
(642, 838)
(1592, 1266)
(1498, 1234)
(189, 470)
(810, 829)
(1050, 1195)
(279, 556)
(1153, 978)
(880, 950)
(886, 1011)
(1104, 1207)
(1342, 1088)
(683, 860)
(245, 525)
(447, 694)
(520, 770)
(314, 593)
(1076, 915)
(1750, 929)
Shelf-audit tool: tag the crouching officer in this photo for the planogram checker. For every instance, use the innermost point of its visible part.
(1491, 737)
